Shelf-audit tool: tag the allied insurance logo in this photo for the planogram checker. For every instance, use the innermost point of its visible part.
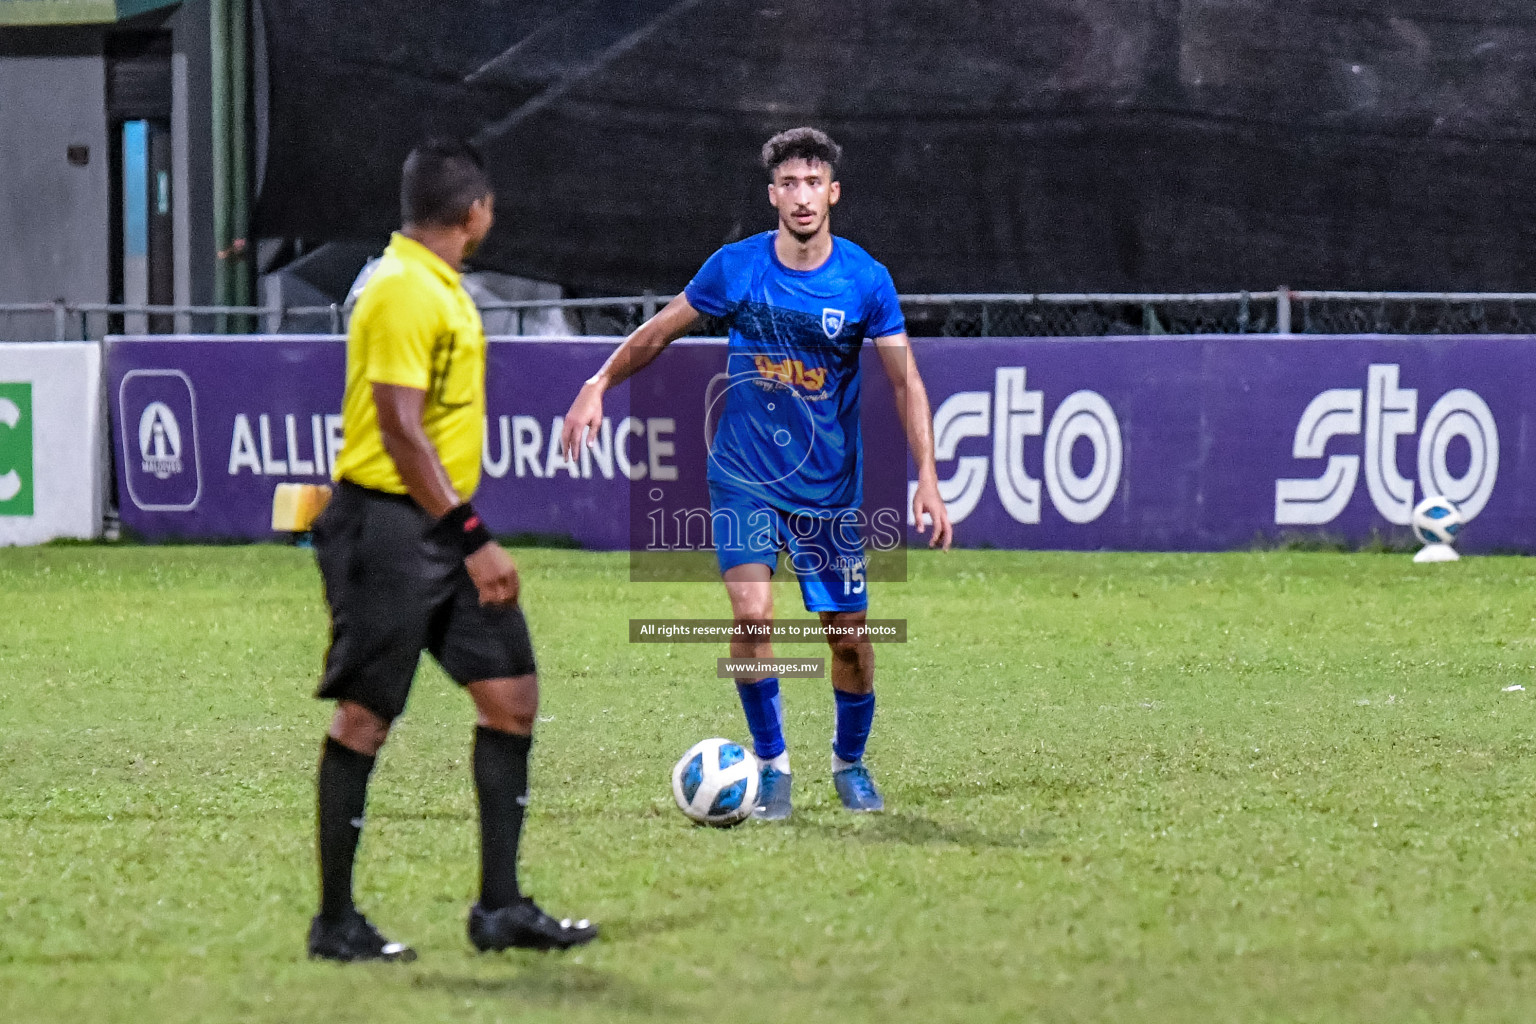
(16, 449)
(159, 441)
(158, 410)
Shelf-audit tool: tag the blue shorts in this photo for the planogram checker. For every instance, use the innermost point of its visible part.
(826, 550)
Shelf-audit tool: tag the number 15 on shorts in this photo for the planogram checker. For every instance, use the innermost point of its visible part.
(853, 575)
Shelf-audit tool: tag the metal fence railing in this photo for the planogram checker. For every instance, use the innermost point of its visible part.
(1277, 311)
(1094, 315)
(1328, 312)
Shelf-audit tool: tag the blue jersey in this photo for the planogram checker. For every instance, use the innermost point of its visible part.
(786, 413)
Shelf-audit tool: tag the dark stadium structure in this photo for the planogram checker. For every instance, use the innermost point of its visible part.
(1044, 145)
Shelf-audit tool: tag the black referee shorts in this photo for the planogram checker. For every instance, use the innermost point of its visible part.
(394, 593)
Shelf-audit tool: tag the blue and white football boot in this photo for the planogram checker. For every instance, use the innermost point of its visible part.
(772, 795)
(856, 789)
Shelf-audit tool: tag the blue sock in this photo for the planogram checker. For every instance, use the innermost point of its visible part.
(855, 714)
(765, 716)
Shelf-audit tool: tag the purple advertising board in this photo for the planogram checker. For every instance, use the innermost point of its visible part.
(1171, 443)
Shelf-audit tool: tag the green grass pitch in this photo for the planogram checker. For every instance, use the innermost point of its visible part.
(1245, 787)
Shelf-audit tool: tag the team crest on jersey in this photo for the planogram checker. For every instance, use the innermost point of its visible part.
(831, 321)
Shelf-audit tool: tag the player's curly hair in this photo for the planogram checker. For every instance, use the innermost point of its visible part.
(810, 144)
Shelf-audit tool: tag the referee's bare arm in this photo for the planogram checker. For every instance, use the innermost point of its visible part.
(426, 481)
(636, 352)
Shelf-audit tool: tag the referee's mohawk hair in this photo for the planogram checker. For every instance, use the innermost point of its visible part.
(809, 144)
(441, 180)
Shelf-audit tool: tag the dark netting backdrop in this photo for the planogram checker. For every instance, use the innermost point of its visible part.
(1037, 145)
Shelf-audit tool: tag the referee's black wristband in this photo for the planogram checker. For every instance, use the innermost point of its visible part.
(462, 527)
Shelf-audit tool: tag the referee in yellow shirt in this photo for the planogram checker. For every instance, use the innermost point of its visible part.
(409, 567)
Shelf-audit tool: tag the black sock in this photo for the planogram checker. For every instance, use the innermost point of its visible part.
(343, 792)
(501, 779)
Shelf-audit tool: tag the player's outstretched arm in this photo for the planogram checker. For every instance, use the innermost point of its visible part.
(586, 413)
(917, 420)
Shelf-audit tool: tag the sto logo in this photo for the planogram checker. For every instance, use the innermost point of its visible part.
(1389, 412)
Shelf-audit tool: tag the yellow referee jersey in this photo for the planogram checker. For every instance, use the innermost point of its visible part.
(414, 325)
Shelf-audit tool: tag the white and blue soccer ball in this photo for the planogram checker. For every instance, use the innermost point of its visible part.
(715, 783)
(1437, 520)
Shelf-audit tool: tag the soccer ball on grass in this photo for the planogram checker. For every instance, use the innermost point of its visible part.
(715, 783)
(1437, 520)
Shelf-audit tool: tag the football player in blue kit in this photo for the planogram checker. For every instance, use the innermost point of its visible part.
(786, 461)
